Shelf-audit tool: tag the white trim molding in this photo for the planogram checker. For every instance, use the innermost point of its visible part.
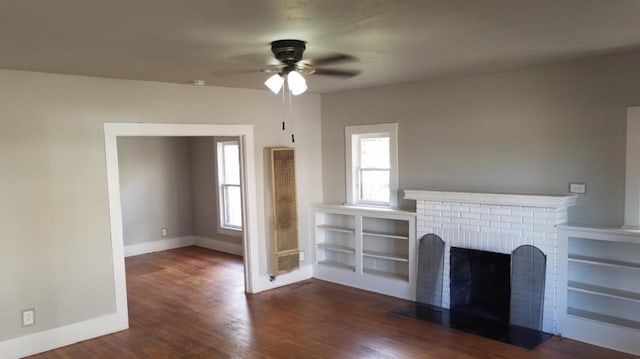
(218, 245)
(157, 246)
(351, 149)
(62, 336)
(510, 199)
(173, 243)
(250, 212)
(632, 174)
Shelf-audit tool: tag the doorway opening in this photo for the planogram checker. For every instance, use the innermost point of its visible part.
(244, 133)
(180, 191)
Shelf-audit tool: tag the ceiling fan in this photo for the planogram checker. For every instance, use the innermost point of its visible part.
(292, 66)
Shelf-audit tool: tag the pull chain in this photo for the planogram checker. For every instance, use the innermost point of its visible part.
(283, 107)
(293, 139)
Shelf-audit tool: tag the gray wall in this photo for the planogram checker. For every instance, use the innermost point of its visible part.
(155, 188)
(56, 253)
(532, 130)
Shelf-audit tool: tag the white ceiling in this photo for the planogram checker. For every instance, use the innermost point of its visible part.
(395, 41)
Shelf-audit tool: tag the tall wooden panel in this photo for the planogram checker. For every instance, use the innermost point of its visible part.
(284, 246)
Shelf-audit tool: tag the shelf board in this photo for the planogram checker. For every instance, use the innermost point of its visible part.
(328, 227)
(603, 261)
(387, 256)
(337, 265)
(390, 275)
(336, 248)
(603, 291)
(603, 318)
(384, 235)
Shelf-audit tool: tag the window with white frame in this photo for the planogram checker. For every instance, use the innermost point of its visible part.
(372, 164)
(229, 191)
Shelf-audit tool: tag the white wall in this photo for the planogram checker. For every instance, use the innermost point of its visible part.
(532, 130)
(56, 249)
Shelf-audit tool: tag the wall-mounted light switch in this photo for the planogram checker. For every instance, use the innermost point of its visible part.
(301, 256)
(163, 232)
(579, 188)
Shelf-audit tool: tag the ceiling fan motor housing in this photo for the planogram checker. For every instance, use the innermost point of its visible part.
(288, 51)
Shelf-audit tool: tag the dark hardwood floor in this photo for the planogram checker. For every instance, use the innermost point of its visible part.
(190, 303)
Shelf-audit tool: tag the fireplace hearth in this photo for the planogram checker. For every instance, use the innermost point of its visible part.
(483, 300)
(485, 327)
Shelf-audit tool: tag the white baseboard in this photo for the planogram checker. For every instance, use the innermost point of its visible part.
(157, 246)
(601, 334)
(303, 273)
(172, 243)
(62, 336)
(218, 245)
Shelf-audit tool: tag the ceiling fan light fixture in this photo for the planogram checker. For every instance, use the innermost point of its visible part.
(297, 84)
(274, 83)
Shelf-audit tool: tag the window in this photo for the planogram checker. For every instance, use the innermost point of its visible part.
(372, 170)
(229, 191)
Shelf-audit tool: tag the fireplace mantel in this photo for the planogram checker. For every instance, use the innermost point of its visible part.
(512, 199)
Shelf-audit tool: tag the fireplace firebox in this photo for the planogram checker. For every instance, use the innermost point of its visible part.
(480, 283)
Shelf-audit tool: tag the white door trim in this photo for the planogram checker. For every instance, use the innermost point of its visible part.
(113, 130)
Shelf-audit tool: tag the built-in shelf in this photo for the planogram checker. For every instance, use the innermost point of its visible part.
(366, 247)
(603, 261)
(603, 318)
(385, 235)
(387, 256)
(385, 274)
(327, 227)
(603, 291)
(599, 286)
(338, 265)
(336, 248)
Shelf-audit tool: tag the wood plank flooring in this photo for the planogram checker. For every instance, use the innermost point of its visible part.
(190, 303)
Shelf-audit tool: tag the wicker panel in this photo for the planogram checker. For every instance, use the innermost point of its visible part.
(287, 262)
(285, 210)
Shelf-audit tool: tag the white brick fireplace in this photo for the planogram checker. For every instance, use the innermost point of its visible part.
(495, 222)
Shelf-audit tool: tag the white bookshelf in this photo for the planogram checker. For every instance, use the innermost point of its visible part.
(601, 287)
(365, 247)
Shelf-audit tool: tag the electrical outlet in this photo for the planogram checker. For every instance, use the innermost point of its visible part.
(28, 317)
(163, 232)
(579, 188)
(301, 256)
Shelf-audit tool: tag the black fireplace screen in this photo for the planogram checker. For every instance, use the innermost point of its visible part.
(430, 269)
(528, 270)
